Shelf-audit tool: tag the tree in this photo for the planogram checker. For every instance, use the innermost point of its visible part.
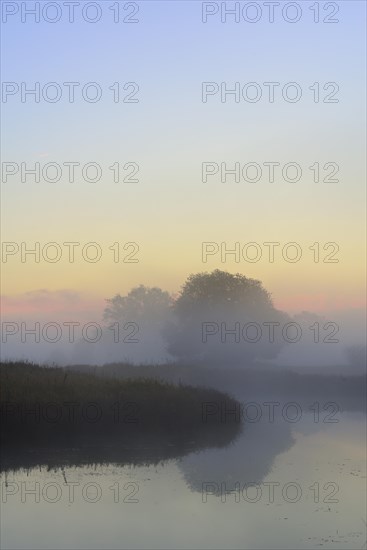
(141, 303)
(141, 316)
(220, 319)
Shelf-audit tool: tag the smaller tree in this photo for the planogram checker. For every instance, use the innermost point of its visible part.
(142, 316)
(141, 304)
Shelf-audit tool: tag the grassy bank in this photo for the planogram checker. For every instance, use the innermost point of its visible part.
(43, 404)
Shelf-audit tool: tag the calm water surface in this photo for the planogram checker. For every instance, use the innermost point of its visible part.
(279, 485)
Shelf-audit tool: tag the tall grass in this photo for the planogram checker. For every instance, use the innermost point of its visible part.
(40, 404)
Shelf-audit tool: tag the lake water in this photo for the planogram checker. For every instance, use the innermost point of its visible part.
(281, 484)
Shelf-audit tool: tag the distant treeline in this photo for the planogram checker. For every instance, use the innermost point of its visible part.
(248, 384)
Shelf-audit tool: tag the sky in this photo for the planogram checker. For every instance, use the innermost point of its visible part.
(169, 212)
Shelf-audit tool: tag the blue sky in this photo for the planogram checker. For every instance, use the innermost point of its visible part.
(170, 132)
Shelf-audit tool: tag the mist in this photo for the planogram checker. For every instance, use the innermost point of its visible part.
(339, 348)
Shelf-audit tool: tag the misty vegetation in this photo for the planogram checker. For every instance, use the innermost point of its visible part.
(187, 326)
(217, 320)
(197, 327)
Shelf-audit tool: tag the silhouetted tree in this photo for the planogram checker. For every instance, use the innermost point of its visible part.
(219, 319)
(142, 315)
(141, 303)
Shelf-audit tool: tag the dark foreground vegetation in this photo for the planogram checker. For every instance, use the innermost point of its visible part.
(77, 417)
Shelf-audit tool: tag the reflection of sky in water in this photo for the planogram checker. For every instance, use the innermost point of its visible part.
(170, 512)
